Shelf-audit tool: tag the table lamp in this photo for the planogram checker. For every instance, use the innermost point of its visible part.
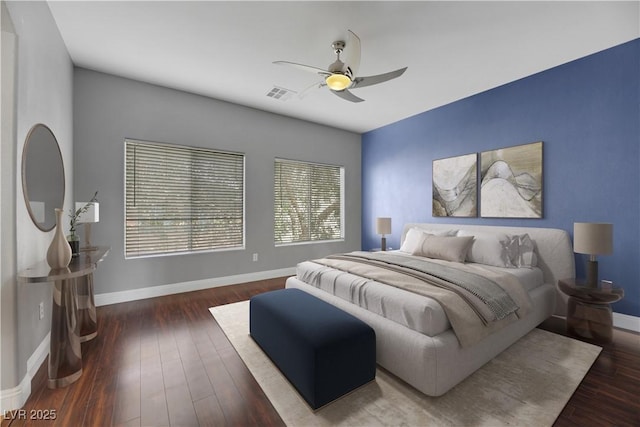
(91, 215)
(592, 239)
(383, 226)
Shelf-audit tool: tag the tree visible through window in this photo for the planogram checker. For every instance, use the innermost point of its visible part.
(182, 199)
(309, 202)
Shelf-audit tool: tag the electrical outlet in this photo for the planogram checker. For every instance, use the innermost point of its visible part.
(41, 310)
(255, 257)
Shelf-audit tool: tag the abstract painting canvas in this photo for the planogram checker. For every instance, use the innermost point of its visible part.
(511, 182)
(455, 186)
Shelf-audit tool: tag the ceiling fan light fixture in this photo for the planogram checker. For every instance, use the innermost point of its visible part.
(337, 81)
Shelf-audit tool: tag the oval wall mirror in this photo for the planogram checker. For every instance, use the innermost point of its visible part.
(42, 176)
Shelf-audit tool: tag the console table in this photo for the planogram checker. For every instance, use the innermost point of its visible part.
(73, 313)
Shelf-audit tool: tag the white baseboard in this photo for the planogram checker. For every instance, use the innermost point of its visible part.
(35, 361)
(15, 398)
(196, 285)
(624, 321)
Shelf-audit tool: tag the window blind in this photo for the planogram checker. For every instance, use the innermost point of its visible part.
(308, 202)
(182, 199)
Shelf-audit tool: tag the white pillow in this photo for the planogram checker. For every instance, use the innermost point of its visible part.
(526, 256)
(412, 240)
(415, 236)
(498, 249)
(448, 248)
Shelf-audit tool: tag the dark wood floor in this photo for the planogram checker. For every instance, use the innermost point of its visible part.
(609, 395)
(165, 361)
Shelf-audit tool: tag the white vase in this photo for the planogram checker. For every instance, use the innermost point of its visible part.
(59, 253)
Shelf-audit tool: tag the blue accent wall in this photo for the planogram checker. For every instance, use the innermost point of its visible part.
(587, 113)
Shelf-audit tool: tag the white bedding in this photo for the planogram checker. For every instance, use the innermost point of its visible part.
(417, 312)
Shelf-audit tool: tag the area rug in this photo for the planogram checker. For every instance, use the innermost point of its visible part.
(527, 384)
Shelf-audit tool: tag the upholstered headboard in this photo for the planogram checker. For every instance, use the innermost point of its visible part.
(553, 247)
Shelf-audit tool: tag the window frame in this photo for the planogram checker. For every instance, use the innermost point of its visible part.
(342, 170)
(240, 247)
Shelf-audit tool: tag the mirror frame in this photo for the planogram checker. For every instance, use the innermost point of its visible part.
(25, 192)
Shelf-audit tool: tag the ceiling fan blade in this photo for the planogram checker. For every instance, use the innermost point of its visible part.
(353, 49)
(379, 78)
(303, 67)
(345, 94)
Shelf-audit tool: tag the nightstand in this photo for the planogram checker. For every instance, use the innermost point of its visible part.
(589, 309)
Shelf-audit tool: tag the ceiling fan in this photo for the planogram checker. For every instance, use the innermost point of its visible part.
(340, 76)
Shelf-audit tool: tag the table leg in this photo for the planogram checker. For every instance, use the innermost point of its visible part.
(65, 356)
(587, 320)
(86, 308)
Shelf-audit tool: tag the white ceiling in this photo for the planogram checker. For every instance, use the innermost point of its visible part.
(225, 50)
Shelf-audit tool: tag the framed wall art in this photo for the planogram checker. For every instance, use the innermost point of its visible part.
(455, 186)
(511, 182)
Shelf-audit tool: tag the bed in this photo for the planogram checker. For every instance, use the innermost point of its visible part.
(415, 338)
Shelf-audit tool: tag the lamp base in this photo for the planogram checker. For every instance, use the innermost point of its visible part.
(88, 247)
(592, 274)
(383, 244)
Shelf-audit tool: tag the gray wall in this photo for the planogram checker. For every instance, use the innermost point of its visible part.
(44, 95)
(8, 291)
(108, 109)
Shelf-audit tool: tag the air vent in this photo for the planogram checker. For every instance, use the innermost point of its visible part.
(280, 93)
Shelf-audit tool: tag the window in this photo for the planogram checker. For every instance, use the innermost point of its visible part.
(309, 202)
(182, 199)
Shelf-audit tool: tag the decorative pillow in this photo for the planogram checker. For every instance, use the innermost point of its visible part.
(448, 248)
(413, 240)
(526, 256)
(498, 249)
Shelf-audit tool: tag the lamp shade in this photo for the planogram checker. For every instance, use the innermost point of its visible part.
(593, 238)
(383, 226)
(92, 214)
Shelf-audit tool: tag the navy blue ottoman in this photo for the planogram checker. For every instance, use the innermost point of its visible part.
(323, 351)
